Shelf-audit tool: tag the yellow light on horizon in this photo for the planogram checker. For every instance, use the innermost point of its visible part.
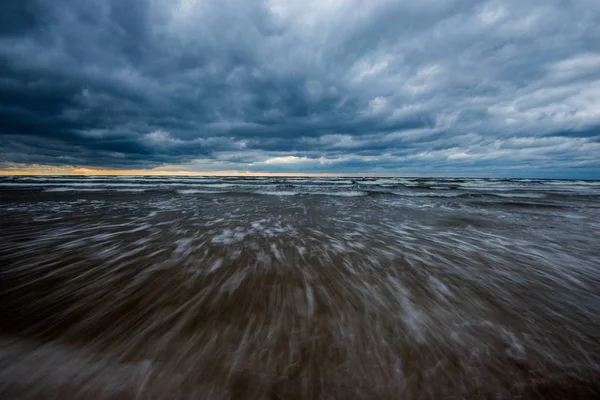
(48, 170)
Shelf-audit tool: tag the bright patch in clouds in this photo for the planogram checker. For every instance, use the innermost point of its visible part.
(285, 160)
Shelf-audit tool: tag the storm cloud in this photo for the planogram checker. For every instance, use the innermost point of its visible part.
(445, 87)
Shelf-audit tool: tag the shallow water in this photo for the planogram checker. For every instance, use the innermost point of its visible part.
(299, 288)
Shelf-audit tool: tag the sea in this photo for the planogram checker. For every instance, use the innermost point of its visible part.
(299, 288)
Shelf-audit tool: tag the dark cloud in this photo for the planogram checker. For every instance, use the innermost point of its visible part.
(445, 86)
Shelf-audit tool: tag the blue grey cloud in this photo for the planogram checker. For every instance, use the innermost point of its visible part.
(436, 87)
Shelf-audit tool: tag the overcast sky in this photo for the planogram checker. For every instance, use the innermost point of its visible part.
(432, 87)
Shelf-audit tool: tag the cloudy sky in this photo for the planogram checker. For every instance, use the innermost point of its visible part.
(432, 87)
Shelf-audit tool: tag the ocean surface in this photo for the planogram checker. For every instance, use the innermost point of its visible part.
(299, 288)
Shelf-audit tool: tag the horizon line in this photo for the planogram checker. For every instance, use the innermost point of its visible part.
(21, 169)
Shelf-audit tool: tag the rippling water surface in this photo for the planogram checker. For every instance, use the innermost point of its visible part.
(299, 288)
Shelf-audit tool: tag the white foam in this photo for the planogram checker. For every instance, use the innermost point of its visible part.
(522, 195)
(379, 182)
(92, 189)
(229, 236)
(73, 189)
(427, 194)
(216, 265)
(216, 185)
(194, 191)
(129, 190)
(329, 181)
(276, 252)
(342, 194)
(277, 193)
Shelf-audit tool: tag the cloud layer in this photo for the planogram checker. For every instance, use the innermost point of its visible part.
(429, 87)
